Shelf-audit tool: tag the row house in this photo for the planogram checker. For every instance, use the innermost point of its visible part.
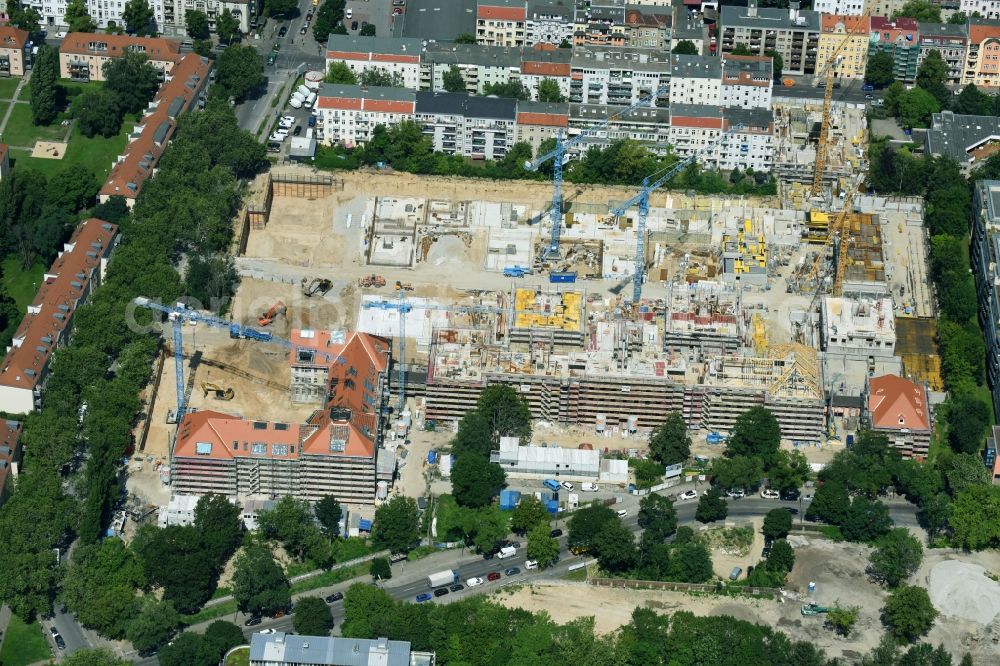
(462, 124)
(480, 65)
(604, 75)
(599, 23)
(794, 34)
(750, 143)
(950, 41)
(48, 324)
(648, 125)
(982, 62)
(985, 249)
(729, 81)
(988, 9)
(103, 12)
(538, 121)
(395, 55)
(847, 36)
(549, 23)
(899, 38)
(350, 113)
(648, 27)
(15, 59)
(82, 55)
(540, 64)
(501, 22)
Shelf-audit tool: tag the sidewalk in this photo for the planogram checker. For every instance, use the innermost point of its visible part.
(4, 621)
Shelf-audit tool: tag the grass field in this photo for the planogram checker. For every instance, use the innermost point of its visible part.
(96, 154)
(21, 132)
(24, 644)
(239, 657)
(7, 87)
(21, 284)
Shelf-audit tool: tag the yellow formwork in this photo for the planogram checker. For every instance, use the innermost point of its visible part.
(566, 315)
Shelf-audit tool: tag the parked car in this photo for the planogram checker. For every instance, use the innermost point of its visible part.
(303, 29)
(736, 493)
(312, 121)
(270, 630)
(60, 643)
(807, 498)
(512, 571)
(336, 596)
(767, 493)
(298, 130)
(252, 622)
(398, 11)
(309, 15)
(490, 554)
(426, 596)
(791, 510)
(767, 551)
(456, 587)
(473, 582)
(790, 494)
(622, 513)
(272, 58)
(556, 533)
(441, 591)
(283, 31)
(735, 573)
(588, 487)
(354, 24)
(493, 575)
(567, 485)
(688, 495)
(530, 564)
(348, 13)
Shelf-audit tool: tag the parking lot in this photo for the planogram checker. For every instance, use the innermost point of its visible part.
(378, 13)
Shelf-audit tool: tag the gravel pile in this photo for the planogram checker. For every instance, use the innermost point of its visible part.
(963, 590)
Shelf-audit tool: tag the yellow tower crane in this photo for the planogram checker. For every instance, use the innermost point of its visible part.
(823, 144)
(841, 226)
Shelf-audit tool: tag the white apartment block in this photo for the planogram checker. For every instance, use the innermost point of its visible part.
(618, 75)
(477, 127)
(647, 125)
(501, 22)
(695, 79)
(396, 55)
(480, 65)
(174, 20)
(747, 82)
(988, 9)
(53, 12)
(548, 24)
(858, 328)
(839, 7)
(750, 143)
(351, 113)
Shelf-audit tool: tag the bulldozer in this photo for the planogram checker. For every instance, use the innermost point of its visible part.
(317, 286)
(267, 317)
(220, 393)
(403, 286)
(372, 280)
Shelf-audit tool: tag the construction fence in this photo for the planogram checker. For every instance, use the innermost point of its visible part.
(305, 187)
(685, 587)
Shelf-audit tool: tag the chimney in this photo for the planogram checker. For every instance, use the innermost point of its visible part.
(752, 8)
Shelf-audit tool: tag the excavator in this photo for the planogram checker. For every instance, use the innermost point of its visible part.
(267, 317)
(317, 286)
(220, 393)
(403, 286)
(372, 280)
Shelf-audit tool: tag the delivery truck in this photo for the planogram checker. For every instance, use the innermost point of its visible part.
(442, 578)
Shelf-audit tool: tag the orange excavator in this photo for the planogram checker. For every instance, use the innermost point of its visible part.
(267, 317)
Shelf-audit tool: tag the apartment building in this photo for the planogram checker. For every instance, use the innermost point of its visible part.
(10, 456)
(849, 34)
(839, 7)
(750, 143)
(183, 91)
(82, 55)
(103, 12)
(648, 27)
(747, 82)
(950, 41)
(899, 409)
(606, 75)
(988, 9)
(175, 21)
(538, 121)
(549, 23)
(479, 64)
(900, 39)
(461, 124)
(332, 453)
(966, 139)
(501, 22)
(48, 324)
(858, 328)
(599, 23)
(689, 26)
(985, 247)
(351, 113)
(649, 125)
(395, 55)
(882, 7)
(982, 61)
(281, 649)
(695, 79)
(540, 64)
(793, 33)
(15, 59)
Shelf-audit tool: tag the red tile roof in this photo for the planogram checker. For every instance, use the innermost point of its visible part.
(842, 23)
(896, 404)
(542, 68)
(55, 303)
(156, 48)
(545, 119)
(499, 13)
(979, 32)
(12, 38)
(696, 121)
(177, 95)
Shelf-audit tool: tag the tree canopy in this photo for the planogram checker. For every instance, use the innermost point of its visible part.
(396, 524)
(312, 617)
(685, 47)
(670, 442)
(239, 71)
(506, 411)
(896, 558)
(880, 69)
(139, 18)
(259, 585)
(44, 76)
(908, 613)
(586, 523)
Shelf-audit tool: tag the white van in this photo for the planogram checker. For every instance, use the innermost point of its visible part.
(506, 551)
(589, 487)
(530, 564)
(304, 90)
(622, 513)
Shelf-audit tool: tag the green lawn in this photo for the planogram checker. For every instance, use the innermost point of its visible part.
(21, 284)
(7, 87)
(97, 154)
(239, 657)
(72, 88)
(21, 132)
(24, 644)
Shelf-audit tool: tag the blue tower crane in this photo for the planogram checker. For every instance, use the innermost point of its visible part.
(179, 314)
(650, 184)
(559, 154)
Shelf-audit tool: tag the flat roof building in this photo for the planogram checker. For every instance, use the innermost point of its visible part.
(966, 139)
(281, 649)
(860, 328)
(393, 55)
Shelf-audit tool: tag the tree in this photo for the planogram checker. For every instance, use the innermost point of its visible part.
(896, 558)
(865, 520)
(789, 470)
(465, 38)
(921, 10)
(101, 586)
(139, 18)
(548, 91)
(77, 18)
(281, 7)
(586, 523)
(211, 280)
(153, 625)
(365, 609)
(777, 524)
(506, 410)
(966, 470)
(93, 657)
(367, 30)
(973, 101)
(453, 80)
(218, 522)
(782, 557)
(739, 472)
(615, 548)
(777, 63)
(690, 562)
(339, 72)
(259, 585)
(935, 514)
(185, 650)
(328, 513)
(755, 434)
(975, 517)
(219, 638)
(880, 70)
(25, 18)
(958, 18)
(830, 503)
(932, 75)
(475, 481)
(669, 442)
(197, 24)
(968, 418)
(175, 559)
(396, 524)
(240, 70)
(376, 76)
(711, 507)
(380, 569)
(685, 47)
(97, 112)
(657, 516)
(132, 79)
(842, 620)
(329, 16)
(512, 88)
(226, 26)
(916, 108)
(474, 437)
(528, 514)
(291, 522)
(542, 548)
(312, 617)
(742, 50)
(45, 73)
(908, 613)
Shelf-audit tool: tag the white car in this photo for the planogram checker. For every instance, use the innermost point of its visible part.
(61, 34)
(589, 487)
(767, 493)
(473, 582)
(277, 138)
(530, 564)
(288, 119)
(622, 513)
(348, 13)
(266, 631)
(736, 493)
(567, 485)
(688, 495)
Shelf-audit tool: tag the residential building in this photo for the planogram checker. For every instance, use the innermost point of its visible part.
(281, 649)
(501, 22)
(394, 55)
(607, 75)
(178, 511)
(988, 9)
(48, 324)
(351, 113)
(548, 23)
(846, 36)
(103, 12)
(649, 125)
(747, 82)
(982, 61)
(175, 21)
(985, 249)
(252, 508)
(898, 38)
(898, 408)
(462, 124)
(332, 453)
(750, 144)
(538, 64)
(599, 23)
(82, 54)
(793, 33)
(990, 456)
(689, 26)
(15, 58)
(479, 64)
(966, 139)
(882, 7)
(648, 27)
(950, 41)
(839, 7)
(10, 456)
(695, 79)
(858, 328)
(538, 121)
(183, 90)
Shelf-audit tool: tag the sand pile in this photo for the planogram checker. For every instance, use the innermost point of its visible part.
(963, 590)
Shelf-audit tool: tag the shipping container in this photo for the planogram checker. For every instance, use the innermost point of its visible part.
(562, 277)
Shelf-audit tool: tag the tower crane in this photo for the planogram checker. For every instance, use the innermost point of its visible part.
(179, 314)
(560, 157)
(823, 144)
(840, 239)
(649, 185)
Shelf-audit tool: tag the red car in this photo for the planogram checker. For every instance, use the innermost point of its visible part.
(493, 576)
